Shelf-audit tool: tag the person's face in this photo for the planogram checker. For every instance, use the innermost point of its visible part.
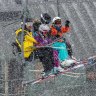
(29, 25)
(58, 22)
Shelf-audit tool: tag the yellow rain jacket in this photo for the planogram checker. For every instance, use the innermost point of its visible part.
(28, 42)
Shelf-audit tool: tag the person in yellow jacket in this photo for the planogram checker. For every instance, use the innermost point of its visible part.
(28, 40)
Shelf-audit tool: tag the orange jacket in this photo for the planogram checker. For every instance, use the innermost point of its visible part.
(54, 32)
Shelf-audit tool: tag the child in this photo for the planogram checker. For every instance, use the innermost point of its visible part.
(28, 40)
(44, 53)
(57, 31)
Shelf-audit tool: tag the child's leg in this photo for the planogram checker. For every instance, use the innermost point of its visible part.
(47, 59)
(69, 48)
(63, 53)
(56, 60)
(62, 50)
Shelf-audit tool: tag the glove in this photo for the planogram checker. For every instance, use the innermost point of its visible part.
(59, 35)
(67, 22)
(37, 44)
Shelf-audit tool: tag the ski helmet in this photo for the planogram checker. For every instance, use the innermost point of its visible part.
(44, 29)
(45, 18)
(56, 20)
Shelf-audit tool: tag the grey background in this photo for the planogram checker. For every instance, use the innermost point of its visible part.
(82, 36)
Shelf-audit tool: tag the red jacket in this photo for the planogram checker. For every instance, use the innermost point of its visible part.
(54, 32)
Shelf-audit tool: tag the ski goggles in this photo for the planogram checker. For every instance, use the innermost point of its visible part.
(58, 21)
(44, 32)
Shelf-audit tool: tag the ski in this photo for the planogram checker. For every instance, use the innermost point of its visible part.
(80, 63)
(53, 75)
(87, 61)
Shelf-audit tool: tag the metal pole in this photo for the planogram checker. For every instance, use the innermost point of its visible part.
(24, 4)
(5, 66)
(58, 8)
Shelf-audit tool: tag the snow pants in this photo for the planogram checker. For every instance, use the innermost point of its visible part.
(46, 57)
(62, 50)
(56, 59)
(68, 46)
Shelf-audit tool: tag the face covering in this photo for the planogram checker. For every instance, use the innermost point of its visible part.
(58, 28)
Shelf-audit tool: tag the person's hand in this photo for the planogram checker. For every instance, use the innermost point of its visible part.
(60, 34)
(67, 22)
(38, 44)
(61, 40)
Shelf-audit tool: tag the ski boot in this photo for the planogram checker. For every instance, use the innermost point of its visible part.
(68, 63)
(58, 69)
(47, 73)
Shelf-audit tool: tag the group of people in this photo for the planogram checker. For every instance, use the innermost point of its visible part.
(45, 37)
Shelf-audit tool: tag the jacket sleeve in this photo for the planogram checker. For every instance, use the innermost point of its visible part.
(18, 31)
(53, 32)
(65, 29)
(31, 39)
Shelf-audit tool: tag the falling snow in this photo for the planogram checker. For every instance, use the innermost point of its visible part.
(82, 36)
